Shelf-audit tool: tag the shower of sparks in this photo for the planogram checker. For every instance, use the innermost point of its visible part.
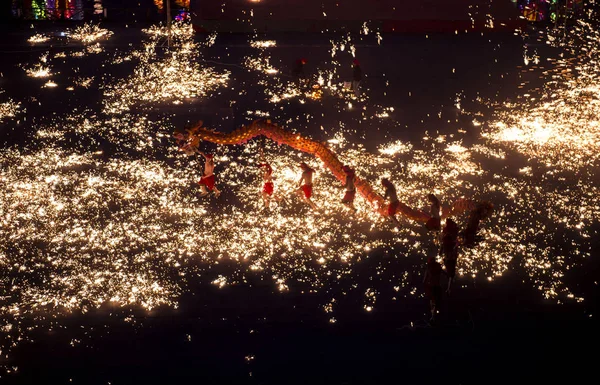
(39, 71)
(260, 64)
(9, 109)
(38, 38)
(327, 81)
(263, 43)
(181, 32)
(70, 187)
(210, 41)
(83, 228)
(396, 147)
(119, 230)
(50, 84)
(385, 113)
(89, 33)
(558, 134)
(83, 82)
(173, 76)
(562, 127)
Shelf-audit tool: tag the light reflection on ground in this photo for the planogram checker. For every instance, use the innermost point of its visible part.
(80, 230)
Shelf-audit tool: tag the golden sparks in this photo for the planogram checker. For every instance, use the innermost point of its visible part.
(175, 76)
(84, 228)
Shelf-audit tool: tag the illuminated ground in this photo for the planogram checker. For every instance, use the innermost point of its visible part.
(105, 240)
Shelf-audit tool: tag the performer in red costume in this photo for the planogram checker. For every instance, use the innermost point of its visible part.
(306, 185)
(207, 182)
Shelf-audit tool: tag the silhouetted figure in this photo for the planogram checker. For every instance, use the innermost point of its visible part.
(433, 286)
(481, 212)
(391, 195)
(449, 249)
(306, 185)
(350, 193)
(433, 224)
(298, 73)
(356, 78)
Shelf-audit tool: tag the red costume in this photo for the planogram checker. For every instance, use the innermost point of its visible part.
(307, 174)
(307, 189)
(268, 188)
(208, 181)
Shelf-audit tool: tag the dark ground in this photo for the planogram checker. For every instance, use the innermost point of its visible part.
(488, 333)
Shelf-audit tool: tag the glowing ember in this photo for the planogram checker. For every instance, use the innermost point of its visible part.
(50, 84)
(39, 71)
(9, 109)
(89, 33)
(263, 43)
(81, 230)
(38, 38)
(177, 75)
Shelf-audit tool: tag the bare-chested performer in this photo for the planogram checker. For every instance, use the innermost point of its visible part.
(350, 194)
(305, 183)
(207, 182)
(268, 186)
(390, 194)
